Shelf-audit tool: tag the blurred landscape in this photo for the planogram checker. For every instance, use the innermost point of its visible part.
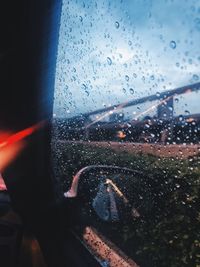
(170, 236)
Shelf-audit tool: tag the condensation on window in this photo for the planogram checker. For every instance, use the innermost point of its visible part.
(110, 52)
(126, 109)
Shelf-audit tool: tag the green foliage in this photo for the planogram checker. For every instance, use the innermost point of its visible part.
(171, 235)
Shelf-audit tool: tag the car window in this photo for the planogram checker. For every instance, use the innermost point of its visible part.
(126, 109)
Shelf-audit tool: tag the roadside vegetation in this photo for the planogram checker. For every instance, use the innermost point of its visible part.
(170, 236)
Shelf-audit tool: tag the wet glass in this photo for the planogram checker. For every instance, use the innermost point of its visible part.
(127, 94)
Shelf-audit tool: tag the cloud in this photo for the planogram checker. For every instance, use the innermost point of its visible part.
(108, 50)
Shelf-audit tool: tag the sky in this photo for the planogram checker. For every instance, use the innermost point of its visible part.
(110, 52)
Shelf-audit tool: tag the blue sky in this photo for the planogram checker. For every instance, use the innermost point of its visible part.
(114, 51)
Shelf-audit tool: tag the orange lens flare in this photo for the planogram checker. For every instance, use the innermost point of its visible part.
(121, 134)
(12, 144)
(19, 135)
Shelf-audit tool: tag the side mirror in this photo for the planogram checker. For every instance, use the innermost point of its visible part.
(109, 192)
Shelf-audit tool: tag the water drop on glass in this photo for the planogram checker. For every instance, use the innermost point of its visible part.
(87, 93)
(195, 77)
(158, 94)
(131, 91)
(84, 87)
(180, 118)
(109, 60)
(187, 112)
(127, 78)
(172, 44)
(117, 24)
(197, 23)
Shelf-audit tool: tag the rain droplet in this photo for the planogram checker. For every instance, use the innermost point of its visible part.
(190, 61)
(180, 118)
(109, 60)
(134, 75)
(197, 23)
(187, 112)
(87, 93)
(172, 44)
(195, 77)
(152, 77)
(131, 91)
(158, 94)
(124, 90)
(176, 100)
(127, 78)
(84, 87)
(116, 24)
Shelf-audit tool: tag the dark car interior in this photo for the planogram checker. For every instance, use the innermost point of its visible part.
(108, 176)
